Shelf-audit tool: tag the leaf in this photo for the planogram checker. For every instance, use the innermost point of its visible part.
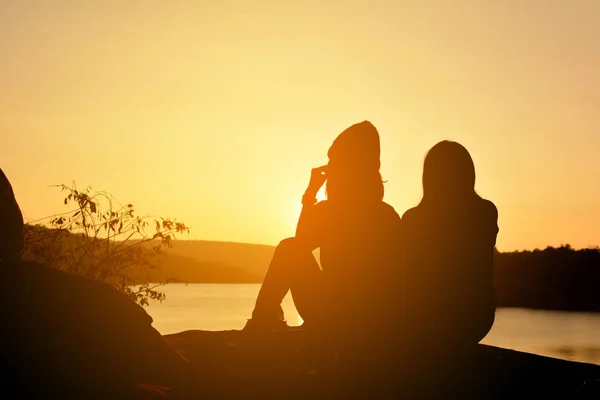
(86, 252)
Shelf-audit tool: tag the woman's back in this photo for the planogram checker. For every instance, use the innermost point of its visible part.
(448, 249)
(357, 254)
(354, 238)
(450, 257)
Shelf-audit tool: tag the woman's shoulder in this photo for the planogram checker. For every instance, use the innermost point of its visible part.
(389, 213)
(487, 207)
(389, 209)
(411, 214)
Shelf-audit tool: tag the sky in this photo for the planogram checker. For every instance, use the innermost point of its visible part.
(213, 112)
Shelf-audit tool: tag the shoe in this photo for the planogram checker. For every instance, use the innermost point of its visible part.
(263, 325)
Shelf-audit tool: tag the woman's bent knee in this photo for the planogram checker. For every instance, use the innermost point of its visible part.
(286, 251)
(287, 245)
(294, 256)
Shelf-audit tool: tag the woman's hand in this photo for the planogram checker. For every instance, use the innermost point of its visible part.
(317, 179)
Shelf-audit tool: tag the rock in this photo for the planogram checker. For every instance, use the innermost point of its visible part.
(290, 364)
(65, 335)
(71, 338)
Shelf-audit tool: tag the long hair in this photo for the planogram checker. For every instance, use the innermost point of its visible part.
(448, 173)
(11, 221)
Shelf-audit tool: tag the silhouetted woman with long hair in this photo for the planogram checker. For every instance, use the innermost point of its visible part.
(353, 229)
(448, 287)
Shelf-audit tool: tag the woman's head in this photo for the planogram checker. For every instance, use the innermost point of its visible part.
(448, 172)
(353, 168)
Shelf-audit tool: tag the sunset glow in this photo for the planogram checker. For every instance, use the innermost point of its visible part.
(214, 112)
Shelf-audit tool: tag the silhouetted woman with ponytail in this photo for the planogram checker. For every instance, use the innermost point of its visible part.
(354, 230)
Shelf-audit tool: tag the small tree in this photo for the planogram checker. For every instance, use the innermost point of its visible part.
(102, 239)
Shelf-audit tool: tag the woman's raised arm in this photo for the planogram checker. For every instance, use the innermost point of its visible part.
(308, 223)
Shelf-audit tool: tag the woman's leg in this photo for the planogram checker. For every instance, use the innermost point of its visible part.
(307, 288)
(292, 267)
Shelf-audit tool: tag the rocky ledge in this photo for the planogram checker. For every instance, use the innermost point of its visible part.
(287, 365)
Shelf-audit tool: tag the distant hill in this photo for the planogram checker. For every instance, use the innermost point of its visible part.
(187, 269)
(191, 261)
(252, 258)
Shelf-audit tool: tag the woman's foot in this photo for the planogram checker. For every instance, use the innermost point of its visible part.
(262, 325)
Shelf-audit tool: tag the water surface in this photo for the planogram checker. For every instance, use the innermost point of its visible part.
(567, 335)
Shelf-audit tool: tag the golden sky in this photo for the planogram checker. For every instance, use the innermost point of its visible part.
(214, 112)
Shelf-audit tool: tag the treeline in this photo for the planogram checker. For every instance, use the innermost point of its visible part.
(554, 278)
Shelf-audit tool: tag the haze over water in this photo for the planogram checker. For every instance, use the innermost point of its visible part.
(567, 335)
